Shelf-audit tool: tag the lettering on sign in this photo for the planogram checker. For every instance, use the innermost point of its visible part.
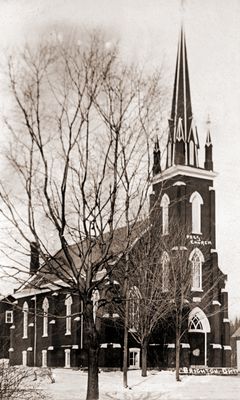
(196, 239)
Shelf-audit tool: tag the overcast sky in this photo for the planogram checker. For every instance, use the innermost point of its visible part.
(148, 33)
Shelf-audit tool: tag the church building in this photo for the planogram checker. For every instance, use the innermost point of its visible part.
(47, 326)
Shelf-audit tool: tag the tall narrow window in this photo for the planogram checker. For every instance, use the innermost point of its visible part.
(191, 153)
(197, 259)
(197, 202)
(44, 358)
(9, 317)
(25, 320)
(165, 213)
(45, 307)
(169, 154)
(24, 358)
(165, 271)
(68, 304)
(95, 299)
(134, 304)
(67, 358)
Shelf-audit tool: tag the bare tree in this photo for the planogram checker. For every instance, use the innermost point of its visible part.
(182, 279)
(148, 298)
(17, 383)
(79, 155)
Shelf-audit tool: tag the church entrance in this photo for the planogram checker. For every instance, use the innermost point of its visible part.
(197, 348)
(198, 328)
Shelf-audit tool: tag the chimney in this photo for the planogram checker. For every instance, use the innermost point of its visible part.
(34, 262)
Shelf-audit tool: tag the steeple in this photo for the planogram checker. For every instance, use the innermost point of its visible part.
(208, 164)
(183, 144)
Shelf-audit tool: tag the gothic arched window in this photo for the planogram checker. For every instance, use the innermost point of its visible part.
(198, 321)
(134, 304)
(165, 271)
(196, 201)
(195, 324)
(68, 304)
(165, 214)
(25, 319)
(45, 307)
(197, 259)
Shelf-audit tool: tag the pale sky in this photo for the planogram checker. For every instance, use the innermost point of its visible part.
(148, 33)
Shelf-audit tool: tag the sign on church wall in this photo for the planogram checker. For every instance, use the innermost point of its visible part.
(197, 239)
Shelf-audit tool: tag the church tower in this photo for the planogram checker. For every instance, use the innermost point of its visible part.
(184, 195)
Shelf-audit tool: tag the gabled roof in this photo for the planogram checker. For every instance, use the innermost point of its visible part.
(56, 272)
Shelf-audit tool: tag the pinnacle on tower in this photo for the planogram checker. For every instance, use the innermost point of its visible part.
(183, 144)
(208, 164)
(156, 158)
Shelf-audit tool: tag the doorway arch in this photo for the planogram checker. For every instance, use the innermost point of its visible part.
(198, 328)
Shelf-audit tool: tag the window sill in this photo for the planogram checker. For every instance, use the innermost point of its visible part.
(25, 337)
(196, 290)
(44, 335)
(68, 333)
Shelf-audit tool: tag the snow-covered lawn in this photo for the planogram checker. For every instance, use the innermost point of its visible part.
(71, 385)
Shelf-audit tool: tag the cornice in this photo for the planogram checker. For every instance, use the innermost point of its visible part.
(184, 170)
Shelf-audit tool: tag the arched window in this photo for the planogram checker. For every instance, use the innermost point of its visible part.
(196, 201)
(198, 321)
(165, 271)
(195, 324)
(191, 153)
(134, 304)
(45, 307)
(196, 258)
(68, 304)
(25, 319)
(165, 214)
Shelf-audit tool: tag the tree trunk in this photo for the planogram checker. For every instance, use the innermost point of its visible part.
(125, 348)
(177, 356)
(93, 353)
(178, 338)
(126, 323)
(92, 386)
(144, 357)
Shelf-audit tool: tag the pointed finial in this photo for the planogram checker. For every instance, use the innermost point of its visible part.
(182, 9)
(156, 143)
(156, 156)
(182, 5)
(208, 137)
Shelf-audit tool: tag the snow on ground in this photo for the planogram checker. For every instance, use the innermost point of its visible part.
(71, 385)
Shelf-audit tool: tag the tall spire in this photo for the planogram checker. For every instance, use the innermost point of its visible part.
(183, 138)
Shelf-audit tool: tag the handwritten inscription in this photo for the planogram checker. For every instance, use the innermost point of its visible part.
(208, 371)
(196, 239)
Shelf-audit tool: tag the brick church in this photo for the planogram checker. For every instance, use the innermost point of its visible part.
(46, 324)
